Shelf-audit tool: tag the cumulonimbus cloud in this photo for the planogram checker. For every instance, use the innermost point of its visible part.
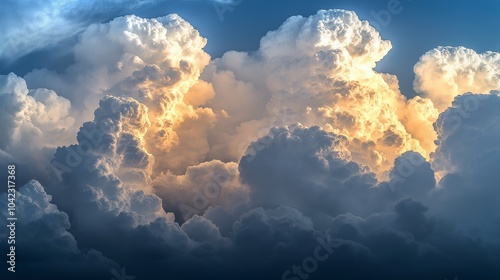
(256, 160)
(319, 71)
(158, 63)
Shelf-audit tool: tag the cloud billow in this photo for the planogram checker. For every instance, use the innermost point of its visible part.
(298, 160)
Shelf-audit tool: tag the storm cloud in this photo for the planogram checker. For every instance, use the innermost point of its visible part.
(297, 160)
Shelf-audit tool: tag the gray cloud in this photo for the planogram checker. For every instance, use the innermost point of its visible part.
(44, 244)
(467, 158)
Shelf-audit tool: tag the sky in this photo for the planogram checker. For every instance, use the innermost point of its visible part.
(238, 139)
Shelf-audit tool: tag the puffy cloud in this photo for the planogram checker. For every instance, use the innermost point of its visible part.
(27, 114)
(407, 243)
(329, 57)
(109, 210)
(44, 245)
(467, 158)
(106, 187)
(164, 147)
(142, 73)
(208, 184)
(445, 72)
(418, 119)
(265, 228)
(109, 167)
(466, 131)
(306, 172)
(310, 169)
(302, 168)
(319, 71)
(34, 122)
(158, 63)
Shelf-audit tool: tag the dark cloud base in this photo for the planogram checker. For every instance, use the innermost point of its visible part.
(402, 241)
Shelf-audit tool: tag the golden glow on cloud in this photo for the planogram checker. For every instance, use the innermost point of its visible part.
(317, 70)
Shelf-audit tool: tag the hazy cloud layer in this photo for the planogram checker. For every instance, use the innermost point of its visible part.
(155, 61)
(31, 26)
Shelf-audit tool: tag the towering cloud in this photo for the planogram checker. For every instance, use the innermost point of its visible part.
(293, 160)
(43, 241)
(319, 71)
(105, 187)
(155, 61)
(316, 71)
(109, 165)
